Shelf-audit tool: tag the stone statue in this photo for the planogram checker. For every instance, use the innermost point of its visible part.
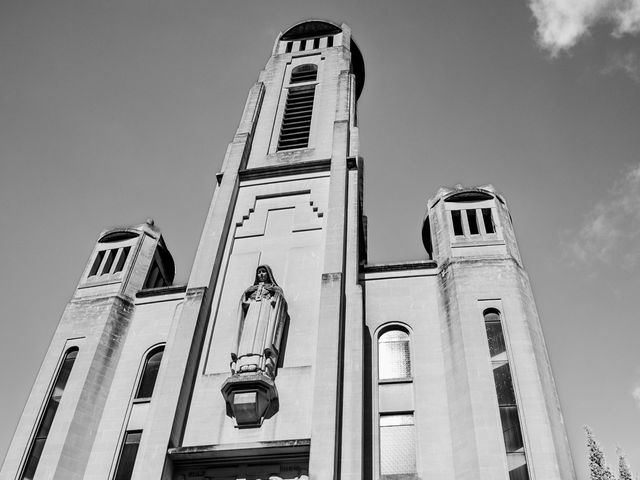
(262, 316)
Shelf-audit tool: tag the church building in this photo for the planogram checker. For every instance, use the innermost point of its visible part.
(287, 355)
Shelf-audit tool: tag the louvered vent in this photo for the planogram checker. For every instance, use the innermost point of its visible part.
(296, 122)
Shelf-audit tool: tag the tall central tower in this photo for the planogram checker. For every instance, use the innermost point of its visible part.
(287, 197)
(287, 355)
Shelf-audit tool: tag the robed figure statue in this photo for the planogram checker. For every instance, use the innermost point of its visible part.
(262, 317)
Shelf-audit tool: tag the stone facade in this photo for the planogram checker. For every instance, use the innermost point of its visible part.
(340, 413)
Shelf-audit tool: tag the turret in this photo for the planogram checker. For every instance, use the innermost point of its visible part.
(471, 222)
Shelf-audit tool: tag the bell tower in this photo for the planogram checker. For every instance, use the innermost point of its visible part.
(287, 197)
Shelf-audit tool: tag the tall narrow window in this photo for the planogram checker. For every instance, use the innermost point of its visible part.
(507, 405)
(150, 373)
(397, 446)
(394, 359)
(316, 43)
(96, 263)
(473, 222)
(124, 253)
(456, 219)
(128, 455)
(289, 47)
(397, 438)
(296, 121)
(111, 256)
(330, 41)
(488, 221)
(49, 414)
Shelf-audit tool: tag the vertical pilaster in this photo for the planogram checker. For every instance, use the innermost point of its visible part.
(353, 394)
(185, 340)
(324, 458)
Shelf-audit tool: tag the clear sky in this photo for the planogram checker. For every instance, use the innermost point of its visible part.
(115, 111)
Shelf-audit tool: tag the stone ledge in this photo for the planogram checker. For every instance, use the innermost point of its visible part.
(155, 292)
(400, 266)
(254, 451)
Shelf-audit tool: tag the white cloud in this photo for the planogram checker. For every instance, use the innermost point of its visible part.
(611, 230)
(636, 395)
(627, 63)
(562, 23)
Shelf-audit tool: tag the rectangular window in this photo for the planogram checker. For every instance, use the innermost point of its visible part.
(397, 446)
(96, 264)
(296, 122)
(289, 47)
(488, 221)
(511, 428)
(128, 455)
(456, 219)
(316, 43)
(124, 253)
(473, 222)
(303, 45)
(111, 256)
(49, 415)
(496, 339)
(330, 41)
(511, 431)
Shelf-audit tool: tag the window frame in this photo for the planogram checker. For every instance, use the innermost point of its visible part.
(465, 237)
(140, 377)
(380, 334)
(123, 444)
(496, 308)
(42, 414)
(317, 60)
(377, 383)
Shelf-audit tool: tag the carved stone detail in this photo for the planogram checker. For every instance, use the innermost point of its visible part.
(250, 392)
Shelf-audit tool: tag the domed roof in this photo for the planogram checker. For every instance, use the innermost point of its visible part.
(321, 28)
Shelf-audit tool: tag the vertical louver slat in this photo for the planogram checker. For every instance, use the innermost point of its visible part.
(296, 122)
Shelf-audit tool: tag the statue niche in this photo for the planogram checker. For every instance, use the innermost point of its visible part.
(250, 392)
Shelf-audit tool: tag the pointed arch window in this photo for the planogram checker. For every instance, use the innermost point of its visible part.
(149, 374)
(44, 427)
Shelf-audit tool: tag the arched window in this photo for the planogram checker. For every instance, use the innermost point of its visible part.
(49, 414)
(396, 433)
(304, 73)
(394, 358)
(507, 404)
(131, 441)
(149, 373)
(298, 109)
